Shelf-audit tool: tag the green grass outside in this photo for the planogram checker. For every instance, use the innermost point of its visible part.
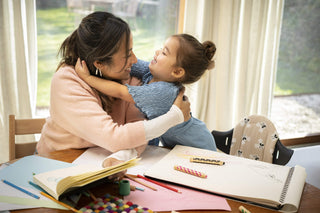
(299, 53)
(54, 25)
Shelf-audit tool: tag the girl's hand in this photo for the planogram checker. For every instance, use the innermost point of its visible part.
(183, 103)
(82, 69)
(111, 162)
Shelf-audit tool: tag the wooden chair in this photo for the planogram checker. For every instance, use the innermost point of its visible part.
(23, 127)
(224, 140)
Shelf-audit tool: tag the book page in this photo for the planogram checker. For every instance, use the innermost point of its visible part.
(49, 180)
(93, 156)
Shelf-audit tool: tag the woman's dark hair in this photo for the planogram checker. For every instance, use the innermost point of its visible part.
(195, 58)
(97, 38)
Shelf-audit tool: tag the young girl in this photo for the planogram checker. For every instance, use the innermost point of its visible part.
(182, 60)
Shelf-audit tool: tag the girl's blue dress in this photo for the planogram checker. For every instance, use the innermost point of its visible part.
(156, 99)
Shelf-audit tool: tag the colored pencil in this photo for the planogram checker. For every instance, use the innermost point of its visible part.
(35, 185)
(133, 188)
(61, 203)
(243, 210)
(21, 189)
(158, 183)
(206, 160)
(190, 171)
(92, 196)
(135, 179)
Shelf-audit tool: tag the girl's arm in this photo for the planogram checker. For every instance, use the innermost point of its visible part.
(139, 69)
(107, 87)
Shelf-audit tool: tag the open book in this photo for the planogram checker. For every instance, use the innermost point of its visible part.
(57, 182)
(262, 183)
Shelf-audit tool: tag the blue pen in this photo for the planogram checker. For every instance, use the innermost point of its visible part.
(21, 189)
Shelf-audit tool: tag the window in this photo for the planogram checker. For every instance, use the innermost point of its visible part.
(57, 19)
(296, 105)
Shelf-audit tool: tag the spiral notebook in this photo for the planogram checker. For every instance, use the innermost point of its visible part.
(270, 185)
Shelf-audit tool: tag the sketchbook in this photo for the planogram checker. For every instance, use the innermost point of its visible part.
(270, 185)
(60, 181)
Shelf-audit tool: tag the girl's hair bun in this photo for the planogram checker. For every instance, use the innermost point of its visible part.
(209, 50)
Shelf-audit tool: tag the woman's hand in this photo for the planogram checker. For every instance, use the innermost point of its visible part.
(111, 162)
(183, 103)
(82, 70)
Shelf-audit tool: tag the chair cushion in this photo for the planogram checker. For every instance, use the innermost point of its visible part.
(255, 138)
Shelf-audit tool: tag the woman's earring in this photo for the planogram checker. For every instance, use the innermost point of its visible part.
(98, 72)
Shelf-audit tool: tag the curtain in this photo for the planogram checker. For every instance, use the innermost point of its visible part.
(247, 35)
(18, 67)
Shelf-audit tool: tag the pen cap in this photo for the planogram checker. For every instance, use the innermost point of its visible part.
(124, 187)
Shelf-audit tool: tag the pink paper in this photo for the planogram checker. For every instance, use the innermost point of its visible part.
(167, 200)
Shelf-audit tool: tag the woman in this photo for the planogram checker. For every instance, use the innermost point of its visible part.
(82, 117)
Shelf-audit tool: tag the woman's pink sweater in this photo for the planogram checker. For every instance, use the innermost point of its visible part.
(77, 119)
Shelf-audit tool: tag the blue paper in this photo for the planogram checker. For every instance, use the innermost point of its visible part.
(21, 171)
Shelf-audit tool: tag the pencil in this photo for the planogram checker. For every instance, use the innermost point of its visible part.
(61, 203)
(158, 183)
(35, 185)
(134, 179)
(206, 160)
(133, 188)
(21, 189)
(190, 171)
(92, 196)
(243, 210)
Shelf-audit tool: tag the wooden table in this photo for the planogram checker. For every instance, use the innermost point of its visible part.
(310, 201)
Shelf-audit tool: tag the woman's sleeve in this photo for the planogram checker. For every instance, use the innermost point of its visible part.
(154, 128)
(139, 69)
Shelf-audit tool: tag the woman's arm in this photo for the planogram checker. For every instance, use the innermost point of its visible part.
(107, 87)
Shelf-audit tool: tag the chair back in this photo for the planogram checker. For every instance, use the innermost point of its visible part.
(23, 127)
(223, 140)
(254, 137)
